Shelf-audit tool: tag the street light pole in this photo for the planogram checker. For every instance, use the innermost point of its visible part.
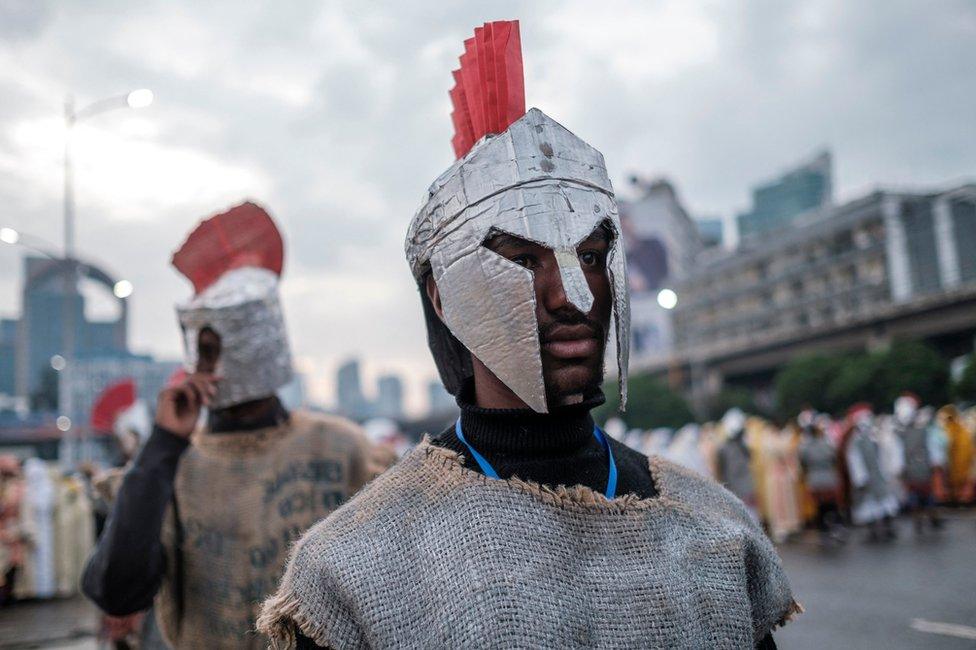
(69, 272)
(69, 198)
(135, 99)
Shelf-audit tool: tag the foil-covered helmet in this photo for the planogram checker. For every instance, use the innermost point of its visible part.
(527, 176)
(234, 260)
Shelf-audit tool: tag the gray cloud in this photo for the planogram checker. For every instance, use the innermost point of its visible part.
(23, 19)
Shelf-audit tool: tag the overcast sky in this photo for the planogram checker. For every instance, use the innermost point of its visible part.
(334, 115)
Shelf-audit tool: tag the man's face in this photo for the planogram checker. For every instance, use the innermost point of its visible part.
(572, 343)
(208, 350)
(905, 409)
(863, 419)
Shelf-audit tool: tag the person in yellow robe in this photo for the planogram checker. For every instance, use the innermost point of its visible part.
(961, 453)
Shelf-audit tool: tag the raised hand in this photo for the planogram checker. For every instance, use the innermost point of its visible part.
(178, 407)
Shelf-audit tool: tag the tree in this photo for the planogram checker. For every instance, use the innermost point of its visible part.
(856, 380)
(650, 404)
(732, 397)
(965, 389)
(802, 383)
(915, 367)
(832, 383)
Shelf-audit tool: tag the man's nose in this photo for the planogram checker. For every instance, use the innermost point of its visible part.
(564, 283)
(207, 362)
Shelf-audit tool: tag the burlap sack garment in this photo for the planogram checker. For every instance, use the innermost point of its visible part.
(242, 498)
(434, 555)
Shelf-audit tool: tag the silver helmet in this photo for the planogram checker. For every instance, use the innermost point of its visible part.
(234, 260)
(535, 180)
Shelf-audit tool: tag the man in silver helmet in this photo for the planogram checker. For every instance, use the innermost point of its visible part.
(203, 518)
(523, 525)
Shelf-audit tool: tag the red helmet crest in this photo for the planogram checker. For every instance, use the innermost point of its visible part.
(245, 235)
(489, 90)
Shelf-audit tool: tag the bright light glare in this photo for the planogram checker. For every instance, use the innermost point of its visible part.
(122, 289)
(9, 236)
(58, 362)
(136, 178)
(63, 422)
(667, 298)
(140, 98)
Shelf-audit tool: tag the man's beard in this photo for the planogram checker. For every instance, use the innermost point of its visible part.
(586, 374)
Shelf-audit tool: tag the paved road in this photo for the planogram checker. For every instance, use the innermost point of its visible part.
(62, 624)
(859, 596)
(889, 596)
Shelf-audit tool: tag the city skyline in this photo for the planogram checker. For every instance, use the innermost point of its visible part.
(336, 117)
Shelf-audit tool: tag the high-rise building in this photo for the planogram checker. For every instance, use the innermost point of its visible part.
(711, 232)
(389, 400)
(50, 302)
(888, 266)
(351, 400)
(439, 401)
(777, 203)
(8, 354)
(661, 242)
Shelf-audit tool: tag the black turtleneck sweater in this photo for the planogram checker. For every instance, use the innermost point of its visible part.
(552, 449)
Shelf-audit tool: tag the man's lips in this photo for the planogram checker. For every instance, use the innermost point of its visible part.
(571, 342)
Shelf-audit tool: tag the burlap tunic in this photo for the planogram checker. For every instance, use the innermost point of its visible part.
(434, 555)
(242, 498)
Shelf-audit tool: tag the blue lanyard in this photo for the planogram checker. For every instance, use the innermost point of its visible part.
(490, 472)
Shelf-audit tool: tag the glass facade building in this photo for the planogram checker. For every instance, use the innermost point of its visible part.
(777, 203)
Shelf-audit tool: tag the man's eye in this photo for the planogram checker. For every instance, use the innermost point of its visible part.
(589, 258)
(523, 260)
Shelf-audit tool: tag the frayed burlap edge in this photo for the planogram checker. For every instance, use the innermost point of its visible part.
(282, 617)
(794, 610)
(576, 497)
(282, 614)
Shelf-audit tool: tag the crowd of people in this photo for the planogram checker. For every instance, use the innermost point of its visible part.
(862, 469)
(47, 529)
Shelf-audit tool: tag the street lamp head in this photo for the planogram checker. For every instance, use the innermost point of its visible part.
(139, 98)
(58, 362)
(63, 423)
(667, 298)
(9, 236)
(122, 289)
